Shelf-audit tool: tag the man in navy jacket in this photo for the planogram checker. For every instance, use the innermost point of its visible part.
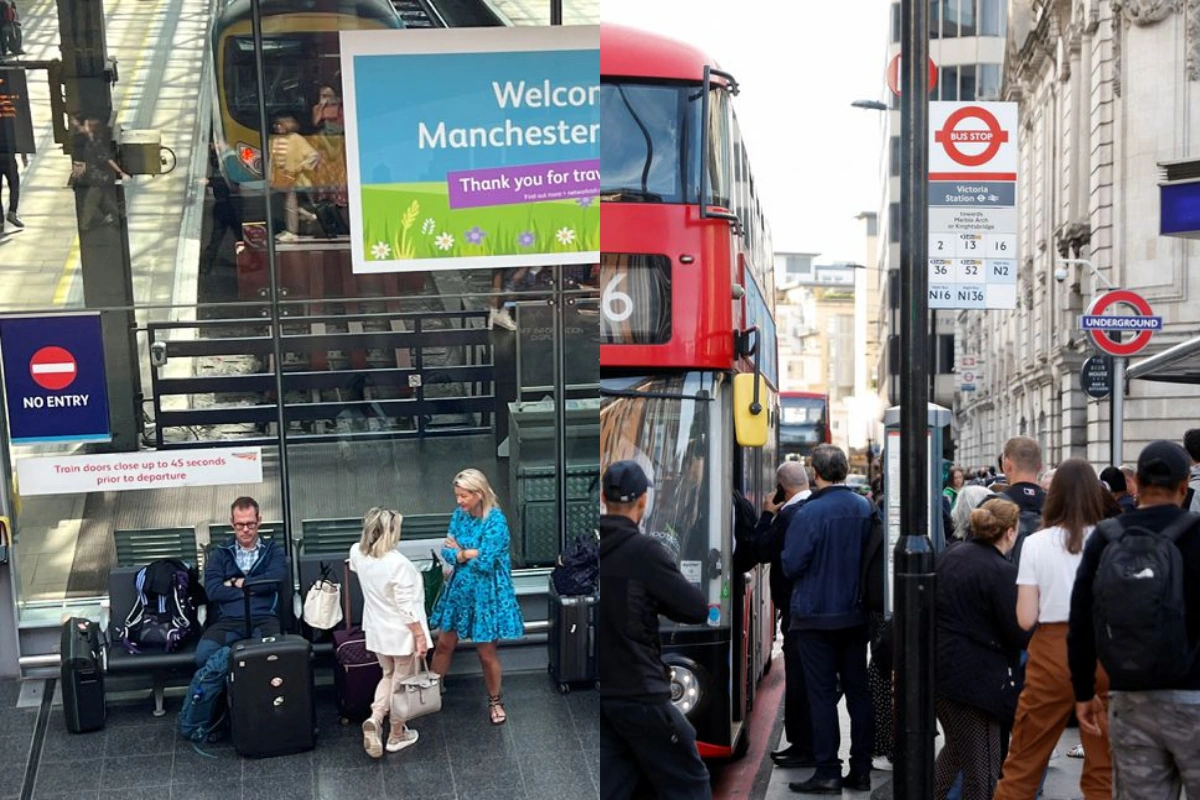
(246, 558)
(822, 554)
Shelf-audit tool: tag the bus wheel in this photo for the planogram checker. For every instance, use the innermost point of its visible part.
(743, 746)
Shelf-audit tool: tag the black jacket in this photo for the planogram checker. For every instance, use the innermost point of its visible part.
(638, 581)
(768, 548)
(979, 640)
(1081, 637)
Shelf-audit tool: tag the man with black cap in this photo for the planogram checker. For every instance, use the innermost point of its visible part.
(643, 737)
(1153, 721)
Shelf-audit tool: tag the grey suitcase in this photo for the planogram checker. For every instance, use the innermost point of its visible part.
(572, 639)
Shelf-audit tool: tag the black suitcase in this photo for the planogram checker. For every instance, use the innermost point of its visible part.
(572, 640)
(82, 676)
(271, 706)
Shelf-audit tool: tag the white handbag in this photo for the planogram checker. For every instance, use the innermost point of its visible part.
(322, 604)
(418, 695)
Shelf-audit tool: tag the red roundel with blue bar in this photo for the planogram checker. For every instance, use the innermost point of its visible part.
(1100, 326)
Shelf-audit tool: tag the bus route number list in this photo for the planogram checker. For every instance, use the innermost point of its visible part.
(972, 270)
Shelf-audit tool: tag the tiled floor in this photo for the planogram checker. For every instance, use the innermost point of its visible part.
(549, 750)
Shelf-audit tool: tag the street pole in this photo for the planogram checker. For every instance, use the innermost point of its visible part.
(914, 578)
(1118, 410)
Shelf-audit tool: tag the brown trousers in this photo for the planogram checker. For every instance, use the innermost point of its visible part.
(1043, 709)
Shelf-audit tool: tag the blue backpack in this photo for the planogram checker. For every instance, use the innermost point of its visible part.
(203, 711)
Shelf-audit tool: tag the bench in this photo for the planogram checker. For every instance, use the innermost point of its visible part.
(337, 535)
(138, 547)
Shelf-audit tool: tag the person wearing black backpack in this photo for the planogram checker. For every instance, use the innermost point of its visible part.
(1135, 606)
(1191, 443)
(1021, 462)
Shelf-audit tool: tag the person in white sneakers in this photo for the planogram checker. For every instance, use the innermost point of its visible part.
(393, 620)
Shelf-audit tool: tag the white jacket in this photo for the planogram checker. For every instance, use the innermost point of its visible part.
(393, 598)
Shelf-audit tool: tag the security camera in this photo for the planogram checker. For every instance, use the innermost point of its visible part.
(1060, 274)
(158, 354)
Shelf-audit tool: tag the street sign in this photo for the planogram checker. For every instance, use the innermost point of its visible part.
(16, 118)
(1096, 377)
(1098, 325)
(54, 379)
(973, 205)
(893, 75)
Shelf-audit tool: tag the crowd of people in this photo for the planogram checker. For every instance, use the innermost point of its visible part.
(1062, 593)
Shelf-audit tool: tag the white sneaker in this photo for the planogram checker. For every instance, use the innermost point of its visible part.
(287, 237)
(1075, 752)
(501, 317)
(371, 741)
(408, 740)
(881, 763)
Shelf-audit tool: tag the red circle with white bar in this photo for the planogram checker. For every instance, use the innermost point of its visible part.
(53, 368)
(949, 137)
(893, 75)
(1120, 297)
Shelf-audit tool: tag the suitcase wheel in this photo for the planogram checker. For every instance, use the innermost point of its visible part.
(564, 688)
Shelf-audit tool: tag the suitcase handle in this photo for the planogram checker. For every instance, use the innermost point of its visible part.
(246, 587)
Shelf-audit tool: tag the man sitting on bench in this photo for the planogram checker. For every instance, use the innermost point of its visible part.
(245, 558)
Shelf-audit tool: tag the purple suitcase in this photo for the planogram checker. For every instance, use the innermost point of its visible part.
(357, 672)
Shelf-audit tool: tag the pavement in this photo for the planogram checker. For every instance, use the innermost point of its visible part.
(1062, 782)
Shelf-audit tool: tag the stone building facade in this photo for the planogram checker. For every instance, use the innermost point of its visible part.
(1109, 91)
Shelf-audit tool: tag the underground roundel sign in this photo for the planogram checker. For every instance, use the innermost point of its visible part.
(1120, 334)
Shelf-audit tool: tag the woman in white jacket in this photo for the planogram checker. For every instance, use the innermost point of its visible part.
(393, 621)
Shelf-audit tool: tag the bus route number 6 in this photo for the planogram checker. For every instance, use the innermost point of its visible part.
(617, 305)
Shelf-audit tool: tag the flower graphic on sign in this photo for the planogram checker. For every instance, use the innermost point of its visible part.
(427, 226)
(444, 241)
(381, 250)
(584, 202)
(525, 239)
(475, 235)
(565, 235)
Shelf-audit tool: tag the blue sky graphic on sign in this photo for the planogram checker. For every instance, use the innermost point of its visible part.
(54, 379)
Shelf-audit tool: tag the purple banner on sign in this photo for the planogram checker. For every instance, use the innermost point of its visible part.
(536, 183)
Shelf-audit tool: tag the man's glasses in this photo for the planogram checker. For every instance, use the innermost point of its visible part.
(245, 526)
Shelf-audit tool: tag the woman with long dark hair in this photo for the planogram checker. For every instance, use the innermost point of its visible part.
(1049, 561)
(978, 645)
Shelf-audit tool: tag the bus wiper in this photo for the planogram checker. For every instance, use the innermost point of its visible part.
(629, 196)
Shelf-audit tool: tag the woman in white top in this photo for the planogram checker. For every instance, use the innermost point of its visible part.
(393, 621)
(1049, 560)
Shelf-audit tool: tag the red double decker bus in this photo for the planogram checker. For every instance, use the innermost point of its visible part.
(687, 306)
(803, 423)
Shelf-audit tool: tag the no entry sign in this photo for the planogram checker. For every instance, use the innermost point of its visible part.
(1100, 325)
(54, 381)
(893, 75)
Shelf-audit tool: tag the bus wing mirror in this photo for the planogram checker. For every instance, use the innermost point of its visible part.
(750, 414)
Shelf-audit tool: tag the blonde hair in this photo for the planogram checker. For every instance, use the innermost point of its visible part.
(381, 532)
(472, 480)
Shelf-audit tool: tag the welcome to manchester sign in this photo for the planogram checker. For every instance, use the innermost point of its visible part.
(472, 148)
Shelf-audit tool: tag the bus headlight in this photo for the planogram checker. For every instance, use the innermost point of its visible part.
(251, 157)
(686, 689)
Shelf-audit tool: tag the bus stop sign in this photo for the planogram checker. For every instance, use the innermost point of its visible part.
(1100, 326)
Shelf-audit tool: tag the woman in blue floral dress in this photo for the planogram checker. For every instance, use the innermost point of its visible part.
(479, 602)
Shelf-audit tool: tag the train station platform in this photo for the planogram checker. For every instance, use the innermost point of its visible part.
(548, 750)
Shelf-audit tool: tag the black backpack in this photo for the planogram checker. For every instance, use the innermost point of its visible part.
(1028, 521)
(1138, 607)
(578, 569)
(164, 614)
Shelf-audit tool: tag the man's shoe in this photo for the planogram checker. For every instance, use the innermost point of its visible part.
(859, 783)
(15, 220)
(817, 786)
(790, 750)
(798, 761)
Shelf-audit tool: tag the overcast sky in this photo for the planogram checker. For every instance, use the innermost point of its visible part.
(800, 63)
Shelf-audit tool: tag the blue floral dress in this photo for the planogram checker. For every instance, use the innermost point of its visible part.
(479, 603)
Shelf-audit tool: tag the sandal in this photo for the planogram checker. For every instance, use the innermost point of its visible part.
(496, 710)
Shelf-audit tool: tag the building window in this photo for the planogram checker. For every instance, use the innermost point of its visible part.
(966, 18)
(894, 222)
(948, 83)
(966, 82)
(895, 23)
(991, 17)
(894, 157)
(989, 82)
(935, 15)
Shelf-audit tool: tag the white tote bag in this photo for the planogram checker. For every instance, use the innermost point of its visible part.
(417, 695)
(322, 604)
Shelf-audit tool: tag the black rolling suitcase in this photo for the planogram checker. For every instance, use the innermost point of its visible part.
(572, 639)
(82, 676)
(357, 672)
(271, 706)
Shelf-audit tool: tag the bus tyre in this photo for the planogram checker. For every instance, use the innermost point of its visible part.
(743, 747)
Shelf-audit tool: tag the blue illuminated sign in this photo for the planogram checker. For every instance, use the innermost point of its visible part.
(1180, 209)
